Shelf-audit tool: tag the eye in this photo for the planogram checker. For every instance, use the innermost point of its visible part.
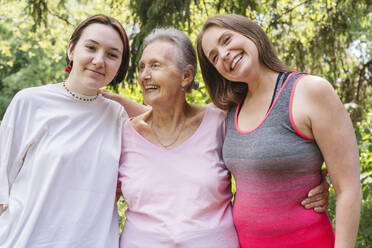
(226, 39)
(112, 55)
(214, 58)
(155, 65)
(90, 47)
(141, 67)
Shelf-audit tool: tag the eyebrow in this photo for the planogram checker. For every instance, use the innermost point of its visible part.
(96, 42)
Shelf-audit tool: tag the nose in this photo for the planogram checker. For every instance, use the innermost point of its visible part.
(145, 74)
(225, 54)
(98, 59)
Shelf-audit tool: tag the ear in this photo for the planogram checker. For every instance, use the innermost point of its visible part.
(188, 76)
(70, 52)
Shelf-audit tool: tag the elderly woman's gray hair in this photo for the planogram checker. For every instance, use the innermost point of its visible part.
(186, 55)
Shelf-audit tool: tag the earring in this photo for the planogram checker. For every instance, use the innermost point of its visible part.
(183, 89)
(69, 67)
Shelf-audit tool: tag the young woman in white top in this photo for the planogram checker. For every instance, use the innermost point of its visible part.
(60, 148)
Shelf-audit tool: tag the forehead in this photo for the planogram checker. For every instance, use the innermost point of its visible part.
(103, 34)
(211, 35)
(162, 50)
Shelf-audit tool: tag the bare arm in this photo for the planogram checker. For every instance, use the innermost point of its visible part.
(331, 127)
(133, 109)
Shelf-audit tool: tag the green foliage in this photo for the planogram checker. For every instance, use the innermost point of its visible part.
(364, 136)
(122, 207)
(27, 57)
(332, 39)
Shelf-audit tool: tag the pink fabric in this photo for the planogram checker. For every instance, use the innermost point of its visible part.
(179, 197)
(268, 213)
(291, 111)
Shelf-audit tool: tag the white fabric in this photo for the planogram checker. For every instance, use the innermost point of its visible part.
(58, 170)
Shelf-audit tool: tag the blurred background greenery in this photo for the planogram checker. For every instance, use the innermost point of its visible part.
(332, 39)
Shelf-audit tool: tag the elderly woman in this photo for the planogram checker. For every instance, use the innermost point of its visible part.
(172, 174)
(281, 127)
(171, 169)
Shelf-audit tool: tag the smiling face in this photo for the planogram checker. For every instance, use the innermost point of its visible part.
(96, 58)
(233, 55)
(159, 75)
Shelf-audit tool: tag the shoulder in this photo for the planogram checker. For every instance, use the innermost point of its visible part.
(111, 103)
(29, 97)
(315, 87)
(23, 104)
(139, 123)
(115, 107)
(32, 93)
(317, 96)
(216, 112)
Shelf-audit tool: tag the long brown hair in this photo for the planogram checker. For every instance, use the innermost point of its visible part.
(223, 92)
(115, 24)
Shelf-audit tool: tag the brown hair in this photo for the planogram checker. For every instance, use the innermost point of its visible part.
(115, 24)
(223, 92)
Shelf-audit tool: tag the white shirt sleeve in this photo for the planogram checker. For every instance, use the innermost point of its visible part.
(12, 146)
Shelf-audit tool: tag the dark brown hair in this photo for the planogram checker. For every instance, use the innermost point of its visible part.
(223, 92)
(115, 24)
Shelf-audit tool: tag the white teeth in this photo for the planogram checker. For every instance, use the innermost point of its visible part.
(148, 87)
(237, 58)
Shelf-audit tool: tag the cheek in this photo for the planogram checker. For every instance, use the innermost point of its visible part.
(140, 83)
(114, 68)
(219, 67)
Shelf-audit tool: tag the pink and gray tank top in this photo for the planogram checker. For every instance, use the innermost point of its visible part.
(274, 167)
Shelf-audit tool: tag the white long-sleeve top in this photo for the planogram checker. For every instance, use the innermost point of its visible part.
(58, 170)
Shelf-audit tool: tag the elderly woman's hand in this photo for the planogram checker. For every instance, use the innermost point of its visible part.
(133, 109)
(318, 197)
(109, 95)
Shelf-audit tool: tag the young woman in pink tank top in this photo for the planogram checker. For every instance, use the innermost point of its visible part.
(279, 132)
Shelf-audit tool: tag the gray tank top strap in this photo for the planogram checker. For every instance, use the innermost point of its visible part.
(279, 110)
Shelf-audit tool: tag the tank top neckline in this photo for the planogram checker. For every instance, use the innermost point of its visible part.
(179, 147)
(268, 112)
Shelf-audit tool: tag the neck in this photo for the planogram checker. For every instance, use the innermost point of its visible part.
(262, 81)
(75, 86)
(169, 117)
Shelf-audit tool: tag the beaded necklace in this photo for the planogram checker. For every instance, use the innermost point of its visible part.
(76, 96)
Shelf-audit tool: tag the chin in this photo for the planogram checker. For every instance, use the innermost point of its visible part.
(96, 84)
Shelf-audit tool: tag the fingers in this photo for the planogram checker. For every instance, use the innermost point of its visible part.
(319, 202)
(316, 198)
(321, 209)
(319, 206)
(320, 189)
(104, 92)
(107, 94)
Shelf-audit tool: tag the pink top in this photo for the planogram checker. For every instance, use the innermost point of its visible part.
(179, 197)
